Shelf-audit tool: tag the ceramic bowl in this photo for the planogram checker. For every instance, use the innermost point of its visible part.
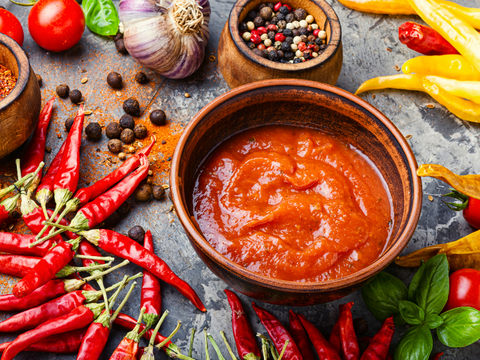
(20, 109)
(302, 103)
(239, 65)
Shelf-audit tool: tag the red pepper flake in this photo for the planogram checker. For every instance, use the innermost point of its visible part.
(7, 82)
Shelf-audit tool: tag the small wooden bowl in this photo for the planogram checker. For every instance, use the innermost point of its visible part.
(240, 65)
(20, 109)
(301, 103)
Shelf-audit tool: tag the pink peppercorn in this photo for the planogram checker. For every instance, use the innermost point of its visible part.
(279, 37)
(311, 47)
(301, 46)
(254, 32)
(261, 47)
(272, 27)
(277, 6)
(315, 32)
(255, 38)
(316, 48)
(261, 30)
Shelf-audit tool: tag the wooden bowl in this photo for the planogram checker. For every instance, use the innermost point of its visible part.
(302, 103)
(239, 65)
(20, 109)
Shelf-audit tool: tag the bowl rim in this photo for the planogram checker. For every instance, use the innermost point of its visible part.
(331, 49)
(23, 71)
(279, 284)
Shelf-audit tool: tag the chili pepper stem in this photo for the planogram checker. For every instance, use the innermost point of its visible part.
(215, 346)
(17, 184)
(71, 205)
(117, 285)
(192, 337)
(93, 277)
(232, 355)
(157, 327)
(179, 325)
(10, 203)
(207, 354)
(69, 270)
(122, 304)
(265, 347)
(88, 257)
(104, 293)
(283, 350)
(45, 238)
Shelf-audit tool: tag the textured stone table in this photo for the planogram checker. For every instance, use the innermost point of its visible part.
(436, 137)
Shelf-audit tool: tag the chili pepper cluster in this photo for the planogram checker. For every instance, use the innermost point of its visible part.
(280, 33)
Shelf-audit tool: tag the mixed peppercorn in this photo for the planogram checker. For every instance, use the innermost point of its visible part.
(7, 82)
(282, 34)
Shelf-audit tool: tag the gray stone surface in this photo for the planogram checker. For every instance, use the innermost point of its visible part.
(437, 137)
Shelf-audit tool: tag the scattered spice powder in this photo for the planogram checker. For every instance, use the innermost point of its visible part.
(7, 82)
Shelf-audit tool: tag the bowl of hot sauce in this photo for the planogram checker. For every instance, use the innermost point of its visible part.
(295, 192)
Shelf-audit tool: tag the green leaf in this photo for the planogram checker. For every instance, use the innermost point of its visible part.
(383, 294)
(461, 327)
(432, 291)
(433, 321)
(101, 16)
(411, 312)
(412, 288)
(415, 344)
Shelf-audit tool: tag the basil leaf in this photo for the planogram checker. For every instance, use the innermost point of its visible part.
(415, 344)
(412, 288)
(101, 16)
(433, 321)
(432, 292)
(411, 312)
(461, 327)
(382, 295)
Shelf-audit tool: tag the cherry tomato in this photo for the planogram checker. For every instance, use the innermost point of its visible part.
(472, 213)
(56, 25)
(464, 289)
(10, 26)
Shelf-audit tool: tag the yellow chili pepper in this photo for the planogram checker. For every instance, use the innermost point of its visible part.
(470, 15)
(463, 109)
(465, 89)
(449, 66)
(402, 82)
(454, 29)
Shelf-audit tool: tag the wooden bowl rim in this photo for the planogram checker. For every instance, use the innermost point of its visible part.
(23, 71)
(285, 285)
(332, 46)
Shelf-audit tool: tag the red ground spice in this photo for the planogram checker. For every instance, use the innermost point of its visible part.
(7, 82)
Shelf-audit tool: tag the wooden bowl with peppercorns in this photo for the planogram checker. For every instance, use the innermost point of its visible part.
(19, 109)
(249, 51)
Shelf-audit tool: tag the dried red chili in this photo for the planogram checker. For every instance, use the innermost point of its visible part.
(424, 39)
(20, 244)
(300, 336)
(350, 348)
(380, 343)
(151, 297)
(7, 82)
(128, 347)
(321, 345)
(334, 338)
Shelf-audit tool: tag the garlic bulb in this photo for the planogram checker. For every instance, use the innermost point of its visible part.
(168, 36)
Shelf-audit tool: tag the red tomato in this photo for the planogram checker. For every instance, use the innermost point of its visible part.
(10, 26)
(472, 213)
(464, 289)
(56, 25)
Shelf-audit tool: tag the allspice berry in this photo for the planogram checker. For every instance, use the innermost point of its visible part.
(143, 192)
(93, 131)
(120, 45)
(132, 107)
(158, 117)
(114, 79)
(127, 122)
(63, 90)
(140, 131)
(127, 136)
(68, 124)
(75, 96)
(137, 233)
(141, 78)
(159, 191)
(266, 13)
(113, 130)
(115, 146)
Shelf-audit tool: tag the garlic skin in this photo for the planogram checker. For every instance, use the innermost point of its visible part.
(167, 36)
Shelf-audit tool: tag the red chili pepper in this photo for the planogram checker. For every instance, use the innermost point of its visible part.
(17, 265)
(85, 248)
(126, 248)
(424, 40)
(242, 332)
(300, 336)
(350, 348)
(322, 346)
(34, 221)
(380, 343)
(45, 189)
(20, 244)
(35, 152)
(128, 347)
(76, 319)
(437, 356)
(334, 338)
(278, 334)
(7, 206)
(61, 344)
(151, 297)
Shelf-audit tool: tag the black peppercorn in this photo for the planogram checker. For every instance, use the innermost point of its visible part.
(266, 13)
(158, 117)
(258, 21)
(141, 78)
(137, 233)
(287, 32)
(285, 46)
(127, 122)
(265, 53)
(114, 79)
(271, 35)
(270, 5)
(143, 192)
(303, 31)
(297, 61)
(118, 36)
(295, 32)
(318, 41)
(39, 80)
(307, 54)
(93, 131)
(310, 43)
(279, 54)
(266, 24)
(290, 18)
(63, 90)
(288, 40)
(75, 96)
(284, 10)
(258, 52)
(131, 107)
(113, 130)
(274, 20)
(272, 55)
(68, 124)
(304, 38)
(251, 45)
(322, 47)
(280, 31)
(300, 14)
(280, 16)
(243, 27)
(115, 146)
(127, 136)
(261, 6)
(120, 45)
(140, 131)
(158, 192)
(289, 55)
(252, 14)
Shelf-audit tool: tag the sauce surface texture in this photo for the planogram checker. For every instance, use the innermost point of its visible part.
(293, 203)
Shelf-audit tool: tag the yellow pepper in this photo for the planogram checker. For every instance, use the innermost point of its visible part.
(449, 66)
(402, 82)
(454, 29)
(465, 89)
(463, 109)
(470, 15)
